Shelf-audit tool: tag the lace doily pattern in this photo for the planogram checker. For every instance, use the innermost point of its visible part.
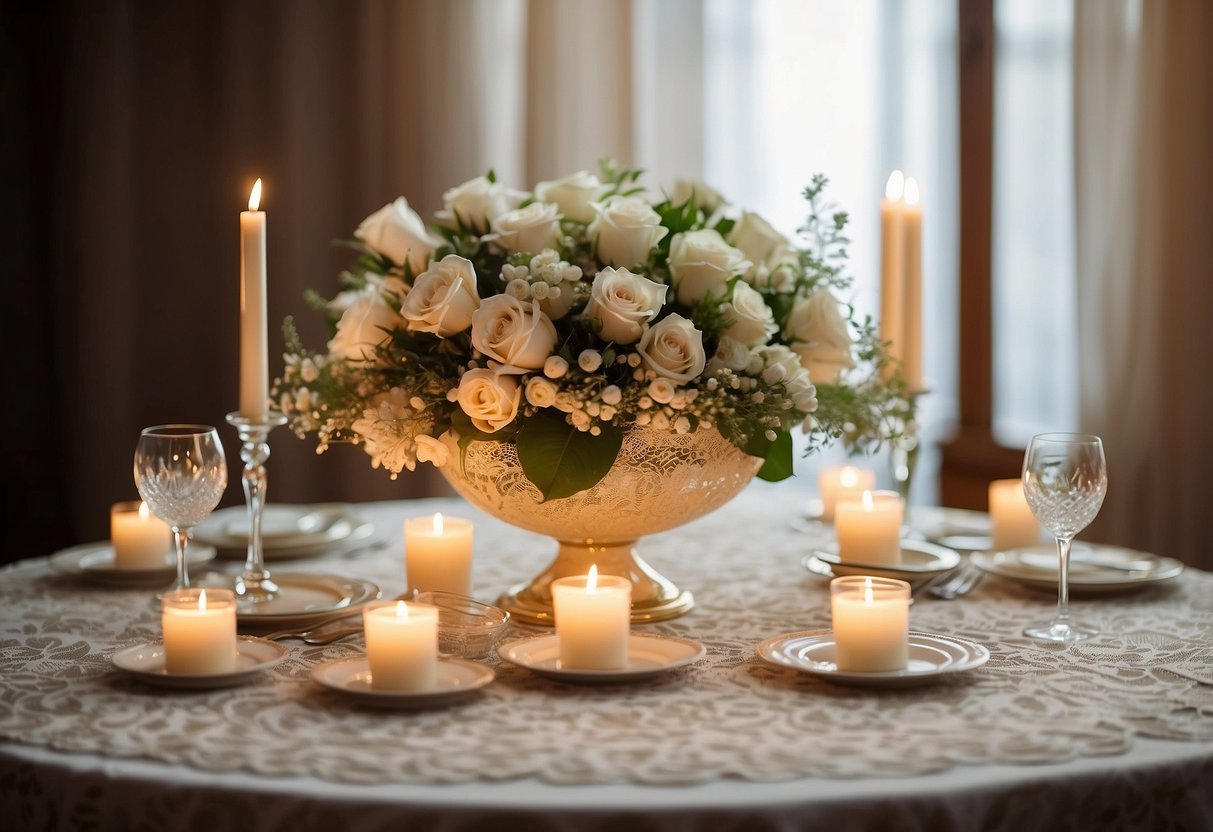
(728, 715)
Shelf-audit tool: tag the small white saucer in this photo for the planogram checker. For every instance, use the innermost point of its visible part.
(457, 678)
(932, 656)
(95, 562)
(919, 562)
(146, 663)
(648, 655)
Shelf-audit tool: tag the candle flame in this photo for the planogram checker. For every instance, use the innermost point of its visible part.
(911, 191)
(143, 512)
(402, 609)
(867, 590)
(254, 198)
(438, 523)
(591, 581)
(848, 477)
(202, 601)
(896, 185)
(867, 501)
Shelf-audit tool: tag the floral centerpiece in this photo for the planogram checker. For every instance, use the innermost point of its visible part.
(559, 319)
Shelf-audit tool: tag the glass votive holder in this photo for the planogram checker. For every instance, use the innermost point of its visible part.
(199, 627)
(467, 628)
(593, 616)
(871, 619)
(401, 645)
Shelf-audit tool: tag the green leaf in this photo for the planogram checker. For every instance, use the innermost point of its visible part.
(562, 461)
(778, 465)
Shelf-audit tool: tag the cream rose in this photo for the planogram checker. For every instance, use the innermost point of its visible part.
(476, 203)
(817, 332)
(363, 326)
(443, 298)
(532, 229)
(782, 366)
(621, 302)
(572, 194)
(673, 348)
(514, 334)
(396, 232)
(540, 392)
(707, 199)
(489, 399)
(753, 322)
(760, 243)
(624, 230)
(730, 353)
(701, 263)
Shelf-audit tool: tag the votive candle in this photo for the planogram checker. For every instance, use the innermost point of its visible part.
(438, 554)
(140, 539)
(402, 645)
(871, 619)
(869, 528)
(1011, 518)
(593, 619)
(199, 628)
(842, 482)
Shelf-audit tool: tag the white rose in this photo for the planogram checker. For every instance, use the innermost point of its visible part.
(817, 331)
(540, 392)
(514, 334)
(706, 198)
(730, 353)
(432, 451)
(753, 322)
(396, 232)
(489, 399)
(621, 302)
(758, 240)
(673, 348)
(392, 286)
(701, 263)
(363, 326)
(572, 193)
(530, 229)
(476, 203)
(625, 230)
(443, 298)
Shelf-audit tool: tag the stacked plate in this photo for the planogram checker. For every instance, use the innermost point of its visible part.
(920, 561)
(1094, 568)
(288, 532)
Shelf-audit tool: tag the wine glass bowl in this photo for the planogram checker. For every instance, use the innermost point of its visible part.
(1065, 480)
(181, 473)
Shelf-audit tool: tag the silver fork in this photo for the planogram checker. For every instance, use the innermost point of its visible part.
(316, 636)
(966, 577)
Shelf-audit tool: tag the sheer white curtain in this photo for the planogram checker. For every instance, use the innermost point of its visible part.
(1144, 193)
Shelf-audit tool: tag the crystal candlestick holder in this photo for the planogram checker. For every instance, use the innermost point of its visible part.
(903, 449)
(254, 585)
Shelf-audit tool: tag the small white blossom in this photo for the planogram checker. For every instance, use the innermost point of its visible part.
(662, 390)
(555, 366)
(589, 360)
(611, 394)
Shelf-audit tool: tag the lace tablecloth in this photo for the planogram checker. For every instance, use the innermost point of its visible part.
(727, 716)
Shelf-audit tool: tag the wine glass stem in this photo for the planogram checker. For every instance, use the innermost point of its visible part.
(180, 538)
(1063, 579)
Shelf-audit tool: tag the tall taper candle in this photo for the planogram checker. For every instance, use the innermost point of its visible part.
(254, 341)
(911, 333)
(892, 265)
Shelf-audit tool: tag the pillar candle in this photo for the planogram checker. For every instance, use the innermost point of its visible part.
(402, 645)
(254, 341)
(842, 482)
(593, 615)
(869, 528)
(871, 618)
(199, 631)
(140, 539)
(438, 554)
(1014, 524)
(892, 265)
(911, 351)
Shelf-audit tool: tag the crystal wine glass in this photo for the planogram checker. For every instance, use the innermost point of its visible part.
(181, 472)
(1065, 479)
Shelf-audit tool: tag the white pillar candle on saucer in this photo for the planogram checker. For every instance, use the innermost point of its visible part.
(438, 554)
(869, 528)
(402, 645)
(1011, 518)
(842, 482)
(199, 631)
(871, 620)
(140, 539)
(593, 619)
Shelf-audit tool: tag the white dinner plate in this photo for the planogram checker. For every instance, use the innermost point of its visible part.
(1094, 568)
(931, 657)
(302, 598)
(95, 562)
(288, 532)
(648, 655)
(146, 663)
(920, 561)
(457, 679)
(937, 522)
